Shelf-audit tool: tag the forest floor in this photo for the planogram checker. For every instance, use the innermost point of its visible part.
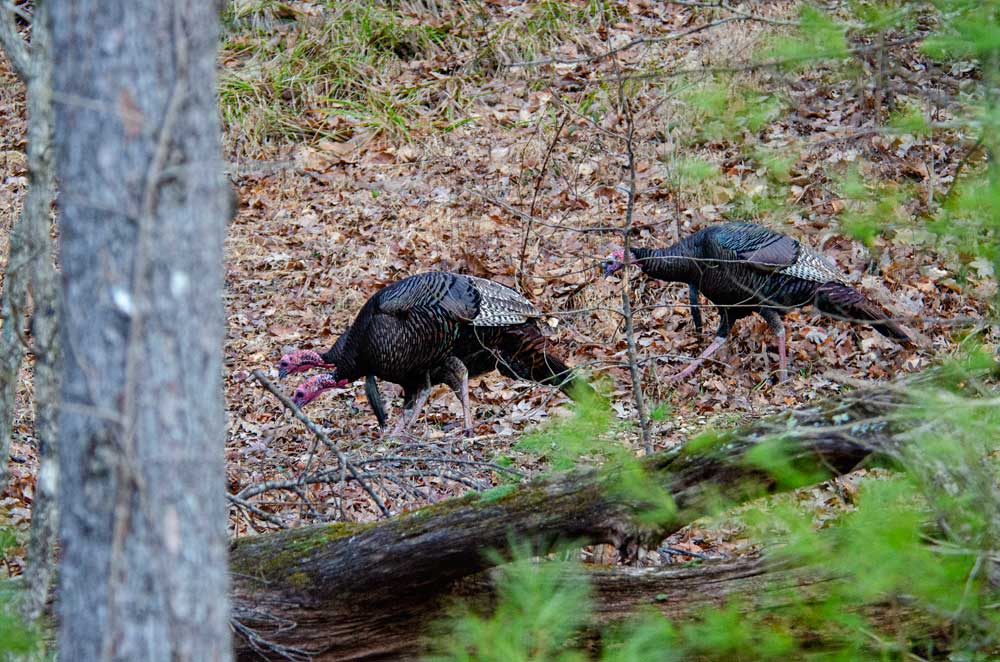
(433, 148)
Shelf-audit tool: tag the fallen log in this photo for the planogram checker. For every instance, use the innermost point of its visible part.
(367, 591)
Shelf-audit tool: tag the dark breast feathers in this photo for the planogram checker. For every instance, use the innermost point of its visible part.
(442, 328)
(749, 266)
(744, 268)
(409, 327)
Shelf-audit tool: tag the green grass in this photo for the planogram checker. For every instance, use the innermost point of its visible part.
(378, 68)
(325, 78)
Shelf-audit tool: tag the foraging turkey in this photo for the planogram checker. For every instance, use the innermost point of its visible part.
(744, 268)
(434, 328)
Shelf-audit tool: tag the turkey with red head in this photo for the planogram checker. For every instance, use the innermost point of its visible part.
(745, 268)
(434, 328)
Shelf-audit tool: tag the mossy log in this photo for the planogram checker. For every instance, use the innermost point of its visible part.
(345, 592)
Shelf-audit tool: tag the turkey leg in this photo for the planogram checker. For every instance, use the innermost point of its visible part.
(695, 307)
(415, 406)
(457, 378)
(777, 324)
(711, 349)
(720, 339)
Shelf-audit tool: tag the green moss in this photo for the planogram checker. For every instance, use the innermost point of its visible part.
(444, 507)
(497, 493)
(280, 554)
(707, 441)
(300, 580)
(414, 522)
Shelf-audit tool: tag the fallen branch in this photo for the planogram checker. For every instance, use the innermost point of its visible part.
(366, 591)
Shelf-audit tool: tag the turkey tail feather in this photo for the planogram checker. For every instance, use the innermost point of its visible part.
(525, 354)
(847, 303)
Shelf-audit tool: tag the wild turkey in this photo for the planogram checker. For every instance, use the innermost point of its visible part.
(434, 328)
(744, 268)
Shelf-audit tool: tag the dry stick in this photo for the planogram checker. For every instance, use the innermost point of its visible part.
(633, 362)
(315, 429)
(738, 15)
(534, 197)
(267, 517)
(11, 348)
(770, 64)
(444, 460)
(723, 5)
(535, 221)
(312, 455)
(309, 505)
(265, 648)
(961, 165)
(613, 52)
(334, 477)
(290, 485)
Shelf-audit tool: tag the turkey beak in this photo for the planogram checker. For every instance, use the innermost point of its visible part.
(609, 267)
(282, 372)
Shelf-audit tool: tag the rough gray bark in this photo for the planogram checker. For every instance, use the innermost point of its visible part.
(30, 267)
(142, 215)
(13, 300)
(341, 592)
(44, 286)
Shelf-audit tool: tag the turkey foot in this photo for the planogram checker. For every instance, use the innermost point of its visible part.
(688, 371)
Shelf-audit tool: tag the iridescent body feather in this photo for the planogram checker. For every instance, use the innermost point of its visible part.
(744, 268)
(442, 328)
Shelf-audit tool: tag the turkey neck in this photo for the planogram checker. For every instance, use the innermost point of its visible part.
(343, 354)
(679, 262)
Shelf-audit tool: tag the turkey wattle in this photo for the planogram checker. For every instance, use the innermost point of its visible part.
(744, 268)
(434, 328)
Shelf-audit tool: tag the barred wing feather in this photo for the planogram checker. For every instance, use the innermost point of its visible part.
(815, 267)
(500, 305)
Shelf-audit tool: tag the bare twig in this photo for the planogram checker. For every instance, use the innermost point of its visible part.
(534, 197)
(268, 517)
(769, 64)
(613, 52)
(322, 436)
(12, 350)
(554, 226)
(736, 15)
(640, 401)
(267, 649)
(966, 158)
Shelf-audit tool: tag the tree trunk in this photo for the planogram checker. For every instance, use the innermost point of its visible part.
(31, 267)
(13, 300)
(142, 216)
(44, 286)
(366, 591)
